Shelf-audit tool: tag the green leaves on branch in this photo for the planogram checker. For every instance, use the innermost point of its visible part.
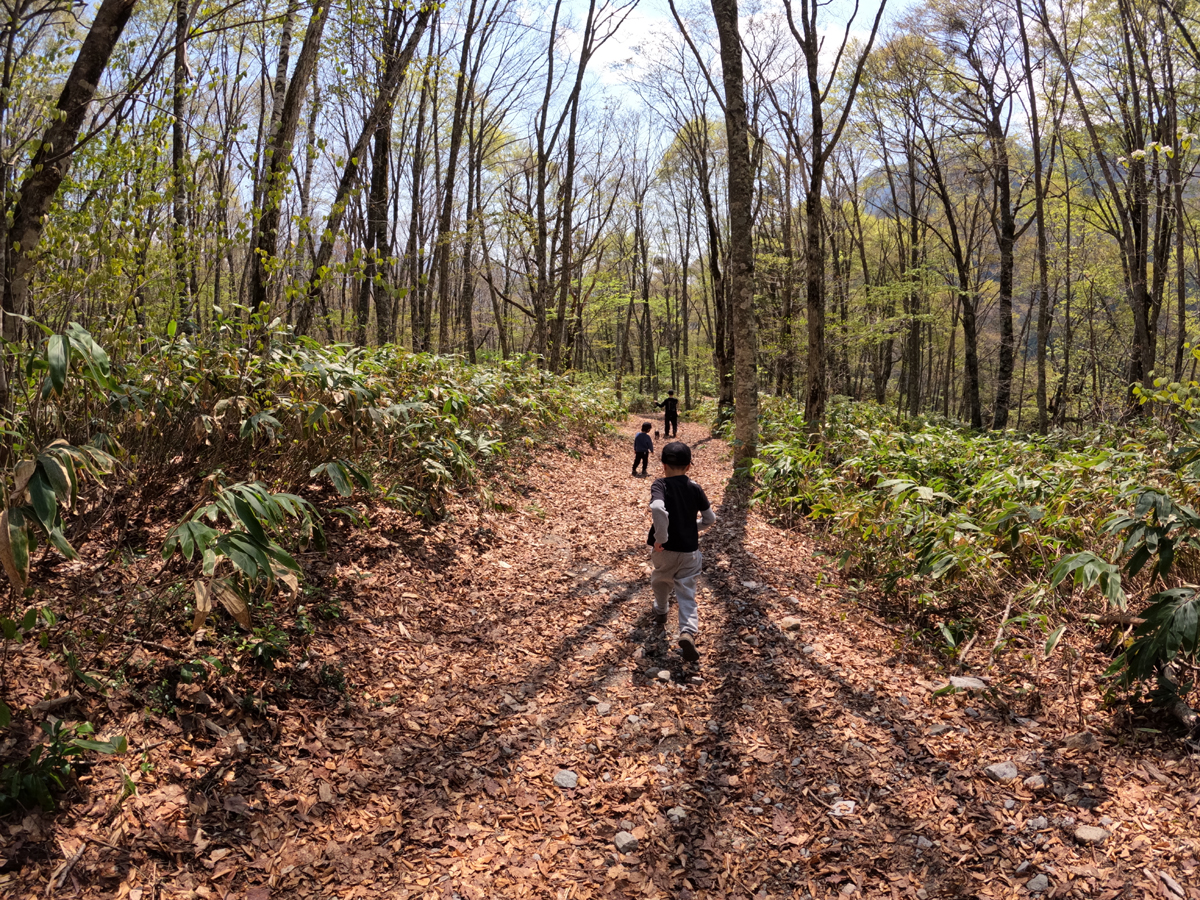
(62, 350)
(243, 526)
(344, 475)
(1170, 631)
(1157, 527)
(44, 488)
(917, 499)
(34, 780)
(1088, 570)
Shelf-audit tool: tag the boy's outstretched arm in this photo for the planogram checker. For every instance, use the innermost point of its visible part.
(706, 519)
(662, 519)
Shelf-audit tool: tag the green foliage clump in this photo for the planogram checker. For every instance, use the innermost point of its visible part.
(35, 779)
(925, 500)
(299, 410)
(923, 506)
(268, 424)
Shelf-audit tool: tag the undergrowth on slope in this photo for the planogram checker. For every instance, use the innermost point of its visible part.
(947, 526)
(267, 436)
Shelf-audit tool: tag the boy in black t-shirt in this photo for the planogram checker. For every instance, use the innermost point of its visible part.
(642, 448)
(675, 501)
(670, 408)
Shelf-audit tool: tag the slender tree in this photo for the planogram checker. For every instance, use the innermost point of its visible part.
(741, 240)
(822, 142)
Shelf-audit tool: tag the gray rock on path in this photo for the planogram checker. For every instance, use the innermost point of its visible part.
(1003, 771)
(1037, 823)
(1090, 834)
(1035, 782)
(1084, 740)
(566, 779)
(603, 709)
(1037, 884)
(663, 675)
(625, 842)
(676, 814)
(791, 623)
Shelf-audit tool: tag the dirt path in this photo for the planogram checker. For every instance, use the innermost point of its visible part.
(506, 648)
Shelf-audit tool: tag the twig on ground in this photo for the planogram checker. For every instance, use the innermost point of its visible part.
(1000, 630)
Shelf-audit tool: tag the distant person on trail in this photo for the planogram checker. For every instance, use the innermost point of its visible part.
(642, 448)
(675, 501)
(670, 408)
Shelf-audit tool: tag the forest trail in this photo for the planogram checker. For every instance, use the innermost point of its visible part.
(501, 649)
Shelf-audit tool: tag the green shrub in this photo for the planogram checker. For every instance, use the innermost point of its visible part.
(924, 506)
(34, 780)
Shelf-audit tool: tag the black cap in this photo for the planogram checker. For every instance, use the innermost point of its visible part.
(676, 454)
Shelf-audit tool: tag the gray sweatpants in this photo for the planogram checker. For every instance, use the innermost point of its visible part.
(677, 570)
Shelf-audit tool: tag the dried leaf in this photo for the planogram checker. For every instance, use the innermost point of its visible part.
(203, 604)
(285, 577)
(232, 601)
(24, 471)
(14, 548)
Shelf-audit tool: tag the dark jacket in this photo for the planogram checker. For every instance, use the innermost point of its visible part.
(683, 499)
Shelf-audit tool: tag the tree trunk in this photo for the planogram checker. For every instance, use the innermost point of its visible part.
(568, 194)
(393, 77)
(179, 174)
(741, 237)
(49, 165)
(787, 363)
(1039, 188)
(416, 286)
(279, 153)
(378, 246)
(467, 297)
(441, 249)
(1006, 238)
(683, 303)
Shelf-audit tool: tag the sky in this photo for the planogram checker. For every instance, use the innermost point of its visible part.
(612, 62)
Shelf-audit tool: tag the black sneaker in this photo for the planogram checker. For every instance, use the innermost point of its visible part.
(660, 622)
(687, 646)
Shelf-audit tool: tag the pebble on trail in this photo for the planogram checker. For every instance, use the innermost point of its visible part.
(625, 842)
(1003, 771)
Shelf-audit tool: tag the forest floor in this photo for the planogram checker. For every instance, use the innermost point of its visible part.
(508, 717)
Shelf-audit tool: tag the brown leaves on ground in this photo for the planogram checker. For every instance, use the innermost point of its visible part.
(493, 652)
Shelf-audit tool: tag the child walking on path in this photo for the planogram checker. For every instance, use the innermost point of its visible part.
(670, 408)
(643, 446)
(675, 501)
